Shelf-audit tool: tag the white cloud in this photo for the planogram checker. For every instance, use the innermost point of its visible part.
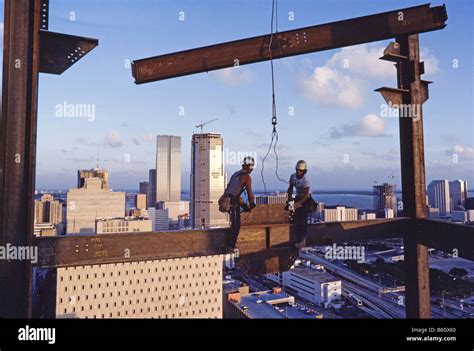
(343, 77)
(370, 126)
(362, 60)
(330, 87)
(464, 152)
(431, 62)
(233, 75)
(113, 139)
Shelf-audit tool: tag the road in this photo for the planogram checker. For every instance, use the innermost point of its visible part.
(389, 303)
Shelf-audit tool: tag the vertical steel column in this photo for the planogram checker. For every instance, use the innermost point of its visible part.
(413, 174)
(18, 150)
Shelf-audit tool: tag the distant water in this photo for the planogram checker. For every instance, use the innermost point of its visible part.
(357, 200)
(350, 200)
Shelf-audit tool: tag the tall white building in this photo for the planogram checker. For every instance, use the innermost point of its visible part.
(208, 181)
(339, 214)
(168, 168)
(438, 196)
(89, 203)
(458, 194)
(271, 199)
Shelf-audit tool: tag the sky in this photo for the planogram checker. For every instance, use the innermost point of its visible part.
(328, 112)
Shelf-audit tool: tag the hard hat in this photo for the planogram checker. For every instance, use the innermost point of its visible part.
(248, 161)
(301, 165)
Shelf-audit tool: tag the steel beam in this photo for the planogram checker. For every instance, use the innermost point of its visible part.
(266, 240)
(452, 238)
(60, 51)
(18, 149)
(267, 214)
(327, 36)
(336, 232)
(413, 176)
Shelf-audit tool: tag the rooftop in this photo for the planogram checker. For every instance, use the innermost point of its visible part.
(314, 275)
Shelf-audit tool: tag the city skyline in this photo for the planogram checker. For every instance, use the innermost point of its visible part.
(158, 230)
(125, 118)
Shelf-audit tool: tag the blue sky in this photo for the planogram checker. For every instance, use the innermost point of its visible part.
(336, 112)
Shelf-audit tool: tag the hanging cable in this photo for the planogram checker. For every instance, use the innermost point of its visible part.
(274, 111)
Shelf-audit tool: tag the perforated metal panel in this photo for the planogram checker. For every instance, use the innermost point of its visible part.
(174, 288)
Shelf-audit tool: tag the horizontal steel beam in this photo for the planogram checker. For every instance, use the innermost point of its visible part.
(327, 36)
(377, 229)
(77, 250)
(445, 236)
(268, 241)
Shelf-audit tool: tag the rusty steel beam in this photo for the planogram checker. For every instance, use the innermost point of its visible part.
(60, 51)
(77, 250)
(268, 214)
(452, 238)
(413, 175)
(377, 229)
(28, 50)
(269, 261)
(265, 240)
(327, 36)
(18, 149)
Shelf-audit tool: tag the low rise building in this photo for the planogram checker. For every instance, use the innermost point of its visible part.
(316, 286)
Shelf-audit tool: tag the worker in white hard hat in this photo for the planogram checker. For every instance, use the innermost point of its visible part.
(239, 182)
(301, 183)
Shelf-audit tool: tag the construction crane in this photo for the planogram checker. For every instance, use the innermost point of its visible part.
(201, 172)
(205, 123)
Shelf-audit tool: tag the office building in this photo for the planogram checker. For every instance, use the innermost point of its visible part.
(458, 194)
(48, 210)
(367, 216)
(159, 219)
(140, 201)
(271, 199)
(92, 201)
(208, 181)
(168, 168)
(384, 197)
(175, 208)
(151, 195)
(313, 285)
(388, 213)
(188, 287)
(47, 229)
(439, 197)
(339, 214)
(143, 188)
(123, 225)
(102, 174)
